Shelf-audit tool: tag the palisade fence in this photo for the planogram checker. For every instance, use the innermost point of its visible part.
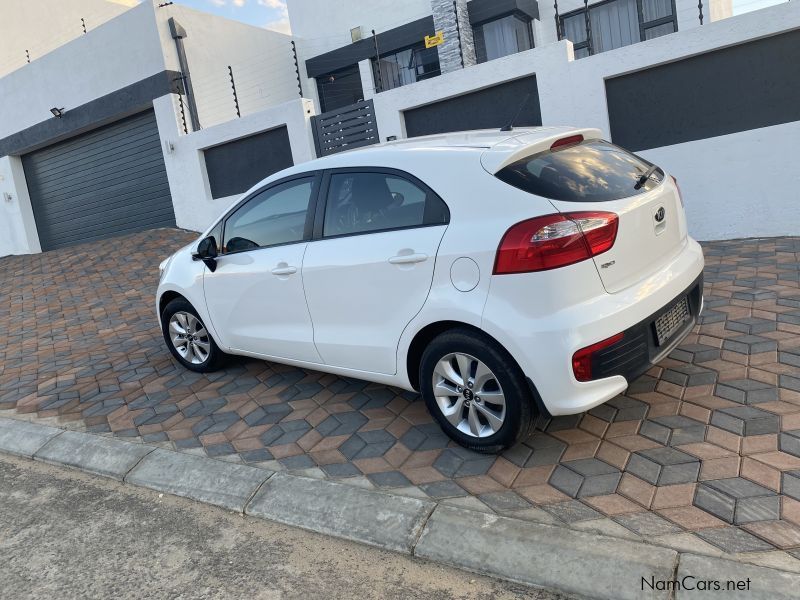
(348, 128)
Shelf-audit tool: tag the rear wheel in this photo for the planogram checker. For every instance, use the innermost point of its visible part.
(475, 391)
(188, 339)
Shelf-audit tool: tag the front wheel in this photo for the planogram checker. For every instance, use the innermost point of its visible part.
(475, 391)
(188, 339)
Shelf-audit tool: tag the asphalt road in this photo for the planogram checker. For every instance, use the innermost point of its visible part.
(64, 534)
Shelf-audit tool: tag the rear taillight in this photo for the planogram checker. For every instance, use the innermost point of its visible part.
(582, 359)
(555, 241)
(677, 187)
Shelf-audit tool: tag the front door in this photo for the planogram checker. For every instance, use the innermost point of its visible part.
(371, 271)
(255, 297)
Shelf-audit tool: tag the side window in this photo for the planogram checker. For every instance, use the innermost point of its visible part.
(365, 202)
(275, 216)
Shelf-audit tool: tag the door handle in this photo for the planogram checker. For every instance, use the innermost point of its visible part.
(284, 270)
(408, 259)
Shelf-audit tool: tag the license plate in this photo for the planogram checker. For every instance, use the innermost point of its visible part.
(671, 321)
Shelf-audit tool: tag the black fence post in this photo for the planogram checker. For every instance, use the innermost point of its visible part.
(183, 112)
(458, 33)
(233, 87)
(559, 32)
(27, 56)
(588, 26)
(700, 8)
(83, 24)
(379, 83)
(297, 68)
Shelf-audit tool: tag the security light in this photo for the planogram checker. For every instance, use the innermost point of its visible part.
(57, 112)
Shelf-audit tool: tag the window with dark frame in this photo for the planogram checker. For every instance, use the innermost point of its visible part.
(402, 67)
(617, 23)
(501, 37)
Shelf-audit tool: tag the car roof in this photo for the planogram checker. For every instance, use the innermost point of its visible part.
(490, 147)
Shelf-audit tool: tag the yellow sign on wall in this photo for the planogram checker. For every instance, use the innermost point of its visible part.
(434, 40)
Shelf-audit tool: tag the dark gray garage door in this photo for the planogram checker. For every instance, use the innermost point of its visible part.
(107, 182)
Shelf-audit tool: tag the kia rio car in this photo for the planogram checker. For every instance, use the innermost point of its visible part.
(500, 274)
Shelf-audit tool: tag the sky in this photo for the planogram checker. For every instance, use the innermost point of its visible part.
(262, 13)
(272, 14)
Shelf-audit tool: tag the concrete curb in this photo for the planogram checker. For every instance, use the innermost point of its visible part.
(590, 565)
(207, 480)
(545, 555)
(98, 455)
(344, 511)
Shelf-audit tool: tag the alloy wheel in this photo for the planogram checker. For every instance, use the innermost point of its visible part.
(469, 395)
(189, 337)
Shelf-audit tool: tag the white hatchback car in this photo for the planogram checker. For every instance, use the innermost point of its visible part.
(500, 274)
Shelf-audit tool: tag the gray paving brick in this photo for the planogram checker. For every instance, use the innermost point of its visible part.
(647, 524)
(789, 442)
(689, 375)
(746, 391)
(443, 489)
(695, 353)
(749, 344)
(673, 430)
(504, 501)
(790, 484)
(751, 325)
(733, 540)
(746, 420)
(664, 466)
(572, 511)
(737, 500)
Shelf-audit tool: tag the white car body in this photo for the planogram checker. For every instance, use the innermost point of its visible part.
(355, 305)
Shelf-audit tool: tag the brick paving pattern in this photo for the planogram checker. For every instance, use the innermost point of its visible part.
(706, 443)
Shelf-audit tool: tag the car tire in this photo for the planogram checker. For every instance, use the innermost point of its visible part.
(460, 409)
(180, 325)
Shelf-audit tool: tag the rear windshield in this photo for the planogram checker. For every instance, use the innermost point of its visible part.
(591, 171)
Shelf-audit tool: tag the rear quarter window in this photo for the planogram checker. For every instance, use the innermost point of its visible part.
(590, 171)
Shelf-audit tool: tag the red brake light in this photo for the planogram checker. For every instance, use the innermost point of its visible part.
(680, 194)
(582, 359)
(554, 241)
(567, 141)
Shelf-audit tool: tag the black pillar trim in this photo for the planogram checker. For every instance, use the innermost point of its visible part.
(178, 34)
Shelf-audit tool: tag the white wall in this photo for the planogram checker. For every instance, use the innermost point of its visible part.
(572, 92)
(40, 26)
(17, 227)
(262, 62)
(188, 181)
(123, 51)
(324, 25)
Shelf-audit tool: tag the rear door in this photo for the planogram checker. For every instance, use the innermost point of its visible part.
(370, 267)
(595, 175)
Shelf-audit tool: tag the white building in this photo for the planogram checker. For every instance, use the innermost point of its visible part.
(163, 115)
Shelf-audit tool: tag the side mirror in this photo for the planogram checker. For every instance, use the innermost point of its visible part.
(207, 252)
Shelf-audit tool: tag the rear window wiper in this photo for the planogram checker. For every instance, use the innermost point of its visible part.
(645, 176)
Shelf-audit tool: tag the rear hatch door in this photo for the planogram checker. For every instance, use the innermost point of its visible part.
(595, 175)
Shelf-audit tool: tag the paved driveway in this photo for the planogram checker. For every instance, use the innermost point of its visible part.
(704, 449)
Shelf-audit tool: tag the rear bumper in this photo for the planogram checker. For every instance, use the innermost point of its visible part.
(638, 350)
(543, 339)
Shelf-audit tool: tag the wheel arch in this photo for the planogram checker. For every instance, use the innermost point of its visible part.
(167, 297)
(427, 334)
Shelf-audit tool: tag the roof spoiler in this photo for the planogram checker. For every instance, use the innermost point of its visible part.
(518, 147)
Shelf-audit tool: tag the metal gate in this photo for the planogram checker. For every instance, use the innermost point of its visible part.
(107, 182)
(346, 128)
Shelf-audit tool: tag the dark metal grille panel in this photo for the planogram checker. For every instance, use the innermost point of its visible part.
(107, 182)
(346, 128)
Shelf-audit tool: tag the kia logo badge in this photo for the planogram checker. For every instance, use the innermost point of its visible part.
(660, 214)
